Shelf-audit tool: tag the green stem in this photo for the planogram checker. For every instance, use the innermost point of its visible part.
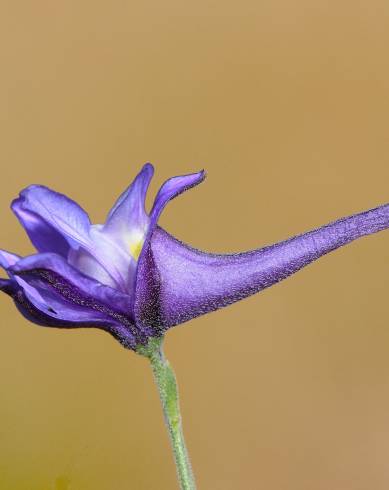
(168, 392)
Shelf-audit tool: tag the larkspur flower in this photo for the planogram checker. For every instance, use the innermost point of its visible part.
(132, 278)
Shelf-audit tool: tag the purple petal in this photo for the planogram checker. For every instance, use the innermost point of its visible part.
(53, 293)
(59, 273)
(171, 189)
(129, 213)
(55, 216)
(7, 286)
(45, 307)
(103, 259)
(55, 306)
(53, 275)
(42, 235)
(7, 259)
(55, 223)
(177, 283)
(119, 242)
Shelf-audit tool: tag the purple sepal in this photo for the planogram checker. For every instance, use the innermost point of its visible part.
(128, 213)
(7, 286)
(171, 189)
(69, 316)
(53, 265)
(56, 294)
(53, 221)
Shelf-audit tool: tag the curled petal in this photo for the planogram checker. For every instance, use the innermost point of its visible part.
(181, 283)
(51, 219)
(42, 235)
(170, 189)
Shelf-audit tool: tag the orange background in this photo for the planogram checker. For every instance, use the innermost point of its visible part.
(285, 104)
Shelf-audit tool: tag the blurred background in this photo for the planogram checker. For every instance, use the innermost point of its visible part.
(285, 104)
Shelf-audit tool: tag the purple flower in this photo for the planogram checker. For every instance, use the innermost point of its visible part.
(134, 280)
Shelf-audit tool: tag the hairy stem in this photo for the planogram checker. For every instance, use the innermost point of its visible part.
(168, 392)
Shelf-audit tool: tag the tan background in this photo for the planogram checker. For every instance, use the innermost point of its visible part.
(285, 104)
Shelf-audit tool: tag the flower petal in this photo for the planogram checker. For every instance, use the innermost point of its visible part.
(129, 212)
(57, 224)
(7, 286)
(50, 303)
(170, 189)
(7, 259)
(57, 282)
(63, 277)
(120, 240)
(51, 218)
(45, 307)
(178, 283)
(42, 235)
